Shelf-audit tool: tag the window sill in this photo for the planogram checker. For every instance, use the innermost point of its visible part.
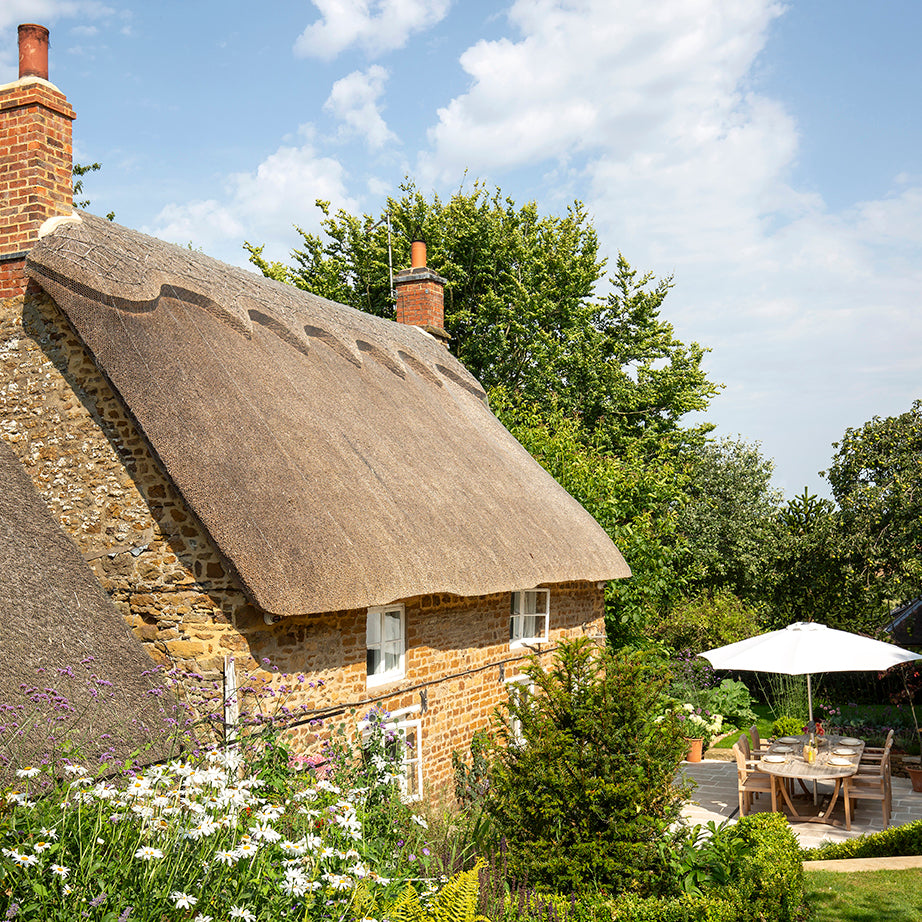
(388, 678)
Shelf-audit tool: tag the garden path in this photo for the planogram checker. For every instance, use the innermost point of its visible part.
(715, 798)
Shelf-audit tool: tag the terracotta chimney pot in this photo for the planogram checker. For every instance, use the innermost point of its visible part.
(33, 51)
(418, 254)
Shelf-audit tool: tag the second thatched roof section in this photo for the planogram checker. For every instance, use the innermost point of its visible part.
(70, 669)
(337, 459)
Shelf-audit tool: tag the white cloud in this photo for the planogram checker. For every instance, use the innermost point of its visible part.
(260, 206)
(645, 110)
(354, 100)
(376, 26)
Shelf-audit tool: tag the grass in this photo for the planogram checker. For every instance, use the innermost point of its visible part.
(865, 896)
(764, 723)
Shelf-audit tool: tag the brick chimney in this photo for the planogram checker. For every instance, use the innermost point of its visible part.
(36, 157)
(420, 295)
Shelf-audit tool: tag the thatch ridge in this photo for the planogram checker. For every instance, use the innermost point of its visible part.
(337, 459)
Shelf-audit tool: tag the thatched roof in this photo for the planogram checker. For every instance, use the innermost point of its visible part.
(337, 459)
(63, 640)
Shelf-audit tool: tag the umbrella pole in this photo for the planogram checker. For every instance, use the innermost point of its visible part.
(810, 709)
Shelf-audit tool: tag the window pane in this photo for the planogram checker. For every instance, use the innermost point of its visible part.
(373, 634)
(528, 603)
(392, 625)
(391, 659)
(372, 661)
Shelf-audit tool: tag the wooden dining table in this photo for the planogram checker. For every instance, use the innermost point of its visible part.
(837, 758)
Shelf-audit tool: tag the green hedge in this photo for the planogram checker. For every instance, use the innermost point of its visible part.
(890, 843)
(768, 886)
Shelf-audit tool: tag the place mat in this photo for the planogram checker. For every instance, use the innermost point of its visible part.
(838, 760)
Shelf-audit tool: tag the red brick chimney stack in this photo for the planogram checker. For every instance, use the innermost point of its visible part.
(420, 294)
(36, 157)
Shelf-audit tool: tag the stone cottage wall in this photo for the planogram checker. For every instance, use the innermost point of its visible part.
(161, 569)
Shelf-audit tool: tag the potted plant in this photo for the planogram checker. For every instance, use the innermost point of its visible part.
(913, 770)
(699, 727)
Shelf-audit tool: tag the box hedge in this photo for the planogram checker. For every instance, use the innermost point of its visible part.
(890, 843)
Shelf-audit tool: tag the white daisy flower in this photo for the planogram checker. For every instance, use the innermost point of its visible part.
(23, 861)
(239, 912)
(75, 770)
(226, 856)
(28, 772)
(148, 853)
(182, 900)
(59, 870)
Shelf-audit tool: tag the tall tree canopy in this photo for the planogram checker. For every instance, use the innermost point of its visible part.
(876, 478)
(520, 308)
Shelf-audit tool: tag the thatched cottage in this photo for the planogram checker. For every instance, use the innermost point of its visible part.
(257, 472)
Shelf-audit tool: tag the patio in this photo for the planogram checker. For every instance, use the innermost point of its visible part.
(715, 798)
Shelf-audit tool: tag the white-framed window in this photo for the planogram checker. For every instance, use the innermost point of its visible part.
(403, 750)
(529, 620)
(522, 687)
(408, 757)
(385, 644)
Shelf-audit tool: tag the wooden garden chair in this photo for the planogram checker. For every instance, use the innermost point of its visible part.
(872, 782)
(750, 781)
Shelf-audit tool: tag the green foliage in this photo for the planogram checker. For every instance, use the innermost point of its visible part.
(731, 699)
(707, 620)
(729, 517)
(889, 843)
(472, 781)
(811, 573)
(589, 793)
(755, 873)
(80, 170)
(455, 902)
(876, 479)
(787, 726)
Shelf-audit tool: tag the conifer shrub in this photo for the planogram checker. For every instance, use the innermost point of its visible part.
(584, 791)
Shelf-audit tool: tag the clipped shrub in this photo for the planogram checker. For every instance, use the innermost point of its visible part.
(889, 843)
(765, 883)
(787, 726)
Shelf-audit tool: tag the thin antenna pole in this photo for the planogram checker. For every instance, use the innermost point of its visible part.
(390, 257)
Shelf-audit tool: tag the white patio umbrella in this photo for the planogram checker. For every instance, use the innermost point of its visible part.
(807, 647)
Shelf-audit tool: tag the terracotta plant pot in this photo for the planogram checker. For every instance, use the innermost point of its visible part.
(915, 776)
(695, 749)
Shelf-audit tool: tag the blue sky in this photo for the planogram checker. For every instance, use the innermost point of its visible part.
(764, 154)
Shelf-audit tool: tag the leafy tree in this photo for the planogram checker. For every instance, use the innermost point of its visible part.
(811, 576)
(729, 518)
(587, 796)
(519, 307)
(876, 478)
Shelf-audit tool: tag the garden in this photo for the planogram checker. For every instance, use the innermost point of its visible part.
(574, 816)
